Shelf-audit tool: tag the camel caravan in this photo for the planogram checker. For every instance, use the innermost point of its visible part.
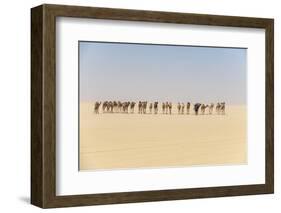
(145, 107)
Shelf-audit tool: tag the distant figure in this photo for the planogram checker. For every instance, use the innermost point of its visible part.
(196, 108)
(167, 107)
(187, 107)
(132, 107)
(140, 107)
(222, 108)
(127, 105)
(211, 107)
(124, 107)
(96, 107)
(179, 108)
(182, 108)
(203, 107)
(104, 106)
(218, 107)
(119, 106)
(115, 105)
(163, 108)
(150, 108)
(155, 106)
(170, 107)
(110, 106)
(144, 105)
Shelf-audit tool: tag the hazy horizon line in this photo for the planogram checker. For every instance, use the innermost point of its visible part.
(93, 101)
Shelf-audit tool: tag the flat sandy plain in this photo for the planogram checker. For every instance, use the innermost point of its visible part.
(127, 141)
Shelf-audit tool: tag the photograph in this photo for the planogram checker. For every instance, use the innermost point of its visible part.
(140, 105)
(147, 106)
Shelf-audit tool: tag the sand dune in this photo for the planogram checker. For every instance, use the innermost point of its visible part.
(115, 141)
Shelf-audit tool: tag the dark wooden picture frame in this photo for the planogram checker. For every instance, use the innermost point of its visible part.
(43, 105)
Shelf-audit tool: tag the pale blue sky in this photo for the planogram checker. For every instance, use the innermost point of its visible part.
(121, 71)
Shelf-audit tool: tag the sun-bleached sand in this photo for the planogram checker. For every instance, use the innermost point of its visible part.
(127, 141)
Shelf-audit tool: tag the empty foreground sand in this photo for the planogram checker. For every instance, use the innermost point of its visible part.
(122, 141)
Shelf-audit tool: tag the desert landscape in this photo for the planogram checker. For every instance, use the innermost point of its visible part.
(156, 105)
(132, 141)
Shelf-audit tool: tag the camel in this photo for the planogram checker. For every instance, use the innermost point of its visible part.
(96, 107)
(187, 107)
(104, 106)
(218, 108)
(132, 106)
(110, 107)
(150, 108)
(196, 108)
(140, 107)
(123, 107)
(179, 108)
(163, 108)
(119, 106)
(107, 106)
(144, 105)
(155, 106)
(126, 107)
(222, 108)
(170, 107)
(167, 107)
(182, 108)
(203, 107)
(129, 107)
(115, 105)
(211, 107)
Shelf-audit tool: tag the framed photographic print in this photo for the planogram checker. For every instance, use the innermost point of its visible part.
(136, 106)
